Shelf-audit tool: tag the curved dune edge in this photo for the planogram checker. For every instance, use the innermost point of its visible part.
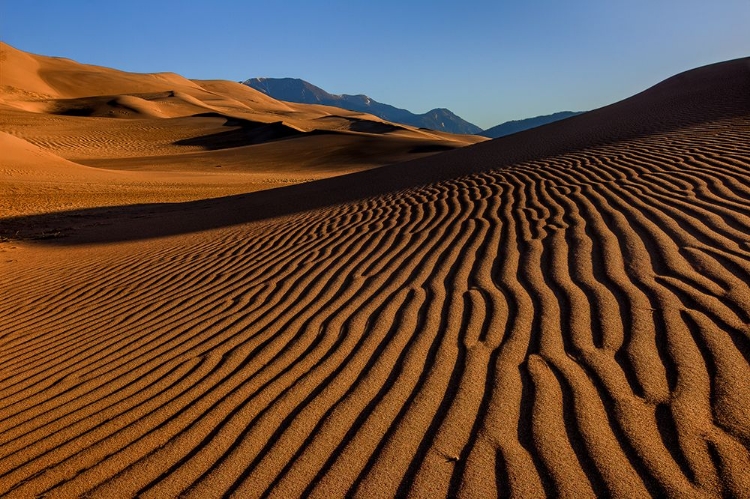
(575, 324)
(161, 138)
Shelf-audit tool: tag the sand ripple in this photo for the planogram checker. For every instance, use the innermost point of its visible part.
(575, 325)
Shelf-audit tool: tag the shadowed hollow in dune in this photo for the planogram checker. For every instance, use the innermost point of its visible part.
(561, 311)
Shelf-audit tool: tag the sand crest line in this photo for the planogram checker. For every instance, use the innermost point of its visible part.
(576, 322)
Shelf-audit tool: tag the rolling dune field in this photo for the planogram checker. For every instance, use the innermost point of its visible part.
(560, 312)
(158, 138)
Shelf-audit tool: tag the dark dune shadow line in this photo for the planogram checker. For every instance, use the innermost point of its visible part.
(243, 133)
(719, 91)
(366, 126)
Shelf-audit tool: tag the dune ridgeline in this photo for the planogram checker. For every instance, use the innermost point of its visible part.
(564, 311)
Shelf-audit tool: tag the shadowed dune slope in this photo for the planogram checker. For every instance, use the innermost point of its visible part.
(170, 131)
(564, 312)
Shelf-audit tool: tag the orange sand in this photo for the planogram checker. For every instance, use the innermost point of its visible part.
(164, 138)
(564, 311)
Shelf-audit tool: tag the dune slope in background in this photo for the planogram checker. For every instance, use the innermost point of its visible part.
(182, 139)
(563, 311)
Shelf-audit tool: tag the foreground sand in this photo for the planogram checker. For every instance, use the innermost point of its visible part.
(563, 312)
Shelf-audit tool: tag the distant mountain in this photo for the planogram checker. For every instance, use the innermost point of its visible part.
(296, 90)
(510, 127)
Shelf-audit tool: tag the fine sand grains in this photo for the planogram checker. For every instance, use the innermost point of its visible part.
(573, 326)
(561, 312)
(77, 136)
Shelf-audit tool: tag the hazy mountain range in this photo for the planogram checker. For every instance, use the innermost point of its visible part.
(301, 91)
(510, 127)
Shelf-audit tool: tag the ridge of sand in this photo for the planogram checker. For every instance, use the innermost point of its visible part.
(64, 78)
(180, 139)
(562, 312)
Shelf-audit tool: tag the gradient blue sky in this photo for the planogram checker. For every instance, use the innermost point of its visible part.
(488, 61)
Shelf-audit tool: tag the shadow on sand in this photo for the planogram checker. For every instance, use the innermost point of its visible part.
(146, 221)
(242, 133)
(682, 101)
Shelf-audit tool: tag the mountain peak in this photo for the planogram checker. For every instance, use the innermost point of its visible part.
(297, 90)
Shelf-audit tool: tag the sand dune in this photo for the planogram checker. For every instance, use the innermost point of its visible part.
(565, 311)
(178, 132)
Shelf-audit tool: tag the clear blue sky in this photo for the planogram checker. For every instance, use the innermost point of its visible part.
(488, 61)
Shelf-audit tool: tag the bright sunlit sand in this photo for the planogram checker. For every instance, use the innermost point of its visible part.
(208, 292)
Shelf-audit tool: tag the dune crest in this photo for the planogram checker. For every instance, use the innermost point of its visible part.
(170, 132)
(562, 312)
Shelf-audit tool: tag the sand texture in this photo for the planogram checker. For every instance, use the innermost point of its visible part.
(159, 138)
(560, 312)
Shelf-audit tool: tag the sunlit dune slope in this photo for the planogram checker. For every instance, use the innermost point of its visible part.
(560, 312)
(176, 131)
